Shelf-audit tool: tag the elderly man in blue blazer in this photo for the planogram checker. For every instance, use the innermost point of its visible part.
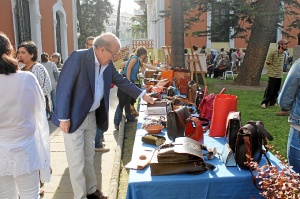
(82, 105)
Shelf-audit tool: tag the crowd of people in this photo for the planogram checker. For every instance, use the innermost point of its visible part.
(219, 61)
(75, 96)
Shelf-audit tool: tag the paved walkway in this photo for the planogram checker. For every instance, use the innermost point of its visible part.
(107, 165)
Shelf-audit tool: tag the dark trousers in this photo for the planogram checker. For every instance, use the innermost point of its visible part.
(272, 91)
(124, 103)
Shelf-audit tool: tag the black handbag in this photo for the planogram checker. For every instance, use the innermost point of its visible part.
(176, 121)
(249, 143)
(232, 128)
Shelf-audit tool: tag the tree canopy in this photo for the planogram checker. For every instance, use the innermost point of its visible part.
(256, 22)
(92, 16)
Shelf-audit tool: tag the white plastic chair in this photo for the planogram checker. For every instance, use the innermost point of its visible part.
(229, 72)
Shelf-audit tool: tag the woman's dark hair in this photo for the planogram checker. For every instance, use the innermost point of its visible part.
(31, 48)
(7, 63)
(195, 48)
(44, 57)
(141, 51)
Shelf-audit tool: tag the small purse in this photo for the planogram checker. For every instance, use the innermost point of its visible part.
(155, 140)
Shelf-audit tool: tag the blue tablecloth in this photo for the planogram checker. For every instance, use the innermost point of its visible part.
(223, 182)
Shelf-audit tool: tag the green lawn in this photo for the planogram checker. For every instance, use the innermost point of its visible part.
(249, 99)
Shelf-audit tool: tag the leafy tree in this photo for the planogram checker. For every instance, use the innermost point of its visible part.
(255, 22)
(138, 27)
(92, 15)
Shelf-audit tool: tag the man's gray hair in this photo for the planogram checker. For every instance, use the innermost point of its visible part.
(105, 39)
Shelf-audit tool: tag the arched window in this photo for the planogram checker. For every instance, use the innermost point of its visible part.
(58, 34)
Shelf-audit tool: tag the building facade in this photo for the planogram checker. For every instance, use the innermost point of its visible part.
(51, 24)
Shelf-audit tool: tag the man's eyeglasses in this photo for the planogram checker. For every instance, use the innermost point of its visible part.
(114, 55)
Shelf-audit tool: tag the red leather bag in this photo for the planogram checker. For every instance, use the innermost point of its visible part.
(194, 130)
(206, 105)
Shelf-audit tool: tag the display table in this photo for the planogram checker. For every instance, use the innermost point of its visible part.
(223, 182)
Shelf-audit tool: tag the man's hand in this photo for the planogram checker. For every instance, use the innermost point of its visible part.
(148, 99)
(65, 126)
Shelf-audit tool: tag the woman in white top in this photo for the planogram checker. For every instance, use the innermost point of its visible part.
(24, 131)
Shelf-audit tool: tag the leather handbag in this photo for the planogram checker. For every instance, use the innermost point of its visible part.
(191, 90)
(176, 121)
(182, 156)
(249, 143)
(233, 126)
(206, 105)
(183, 84)
(194, 130)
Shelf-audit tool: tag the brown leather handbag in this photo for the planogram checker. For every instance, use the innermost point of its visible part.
(182, 156)
(176, 121)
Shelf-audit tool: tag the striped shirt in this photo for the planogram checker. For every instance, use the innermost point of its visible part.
(276, 60)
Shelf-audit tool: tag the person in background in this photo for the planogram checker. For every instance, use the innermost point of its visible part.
(235, 60)
(126, 56)
(289, 99)
(99, 138)
(53, 74)
(275, 61)
(203, 50)
(89, 42)
(242, 57)
(210, 65)
(24, 130)
(224, 65)
(56, 58)
(130, 71)
(27, 54)
(195, 49)
(82, 95)
(217, 60)
(186, 65)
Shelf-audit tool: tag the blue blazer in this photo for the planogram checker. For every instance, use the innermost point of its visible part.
(76, 88)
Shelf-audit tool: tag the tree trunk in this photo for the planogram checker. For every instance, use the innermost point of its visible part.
(263, 30)
(177, 32)
(118, 20)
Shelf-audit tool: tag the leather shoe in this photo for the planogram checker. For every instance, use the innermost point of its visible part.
(96, 195)
(283, 113)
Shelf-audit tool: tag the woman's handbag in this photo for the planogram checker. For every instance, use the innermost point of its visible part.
(249, 143)
(182, 156)
(222, 105)
(206, 105)
(249, 146)
(194, 130)
(176, 121)
(191, 90)
(232, 128)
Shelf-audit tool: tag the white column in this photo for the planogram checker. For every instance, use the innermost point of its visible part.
(35, 23)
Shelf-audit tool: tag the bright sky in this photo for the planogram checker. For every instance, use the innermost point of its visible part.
(126, 5)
